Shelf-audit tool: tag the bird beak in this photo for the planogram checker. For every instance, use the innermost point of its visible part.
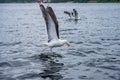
(68, 44)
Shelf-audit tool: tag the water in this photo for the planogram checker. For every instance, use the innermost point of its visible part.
(95, 43)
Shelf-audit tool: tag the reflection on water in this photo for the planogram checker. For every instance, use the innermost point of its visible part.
(51, 66)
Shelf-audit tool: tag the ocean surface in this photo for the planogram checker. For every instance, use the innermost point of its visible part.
(94, 53)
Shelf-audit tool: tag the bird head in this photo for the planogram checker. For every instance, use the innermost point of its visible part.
(67, 43)
(74, 10)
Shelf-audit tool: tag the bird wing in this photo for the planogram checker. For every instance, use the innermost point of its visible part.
(75, 13)
(51, 23)
(66, 12)
(53, 16)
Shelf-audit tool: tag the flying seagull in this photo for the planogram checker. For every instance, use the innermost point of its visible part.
(52, 28)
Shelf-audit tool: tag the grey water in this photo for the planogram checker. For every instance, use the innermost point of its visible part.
(94, 53)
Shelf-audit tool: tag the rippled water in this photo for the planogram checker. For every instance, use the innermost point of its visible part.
(95, 43)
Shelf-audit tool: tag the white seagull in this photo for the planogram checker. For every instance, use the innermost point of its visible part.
(52, 28)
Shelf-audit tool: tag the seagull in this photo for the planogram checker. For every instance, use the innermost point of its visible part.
(75, 14)
(52, 28)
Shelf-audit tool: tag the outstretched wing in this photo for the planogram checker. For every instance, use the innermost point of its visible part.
(68, 13)
(75, 13)
(44, 13)
(51, 23)
(54, 18)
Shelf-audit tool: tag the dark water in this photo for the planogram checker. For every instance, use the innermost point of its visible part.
(95, 43)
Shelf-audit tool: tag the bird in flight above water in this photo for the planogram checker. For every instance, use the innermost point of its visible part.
(52, 28)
